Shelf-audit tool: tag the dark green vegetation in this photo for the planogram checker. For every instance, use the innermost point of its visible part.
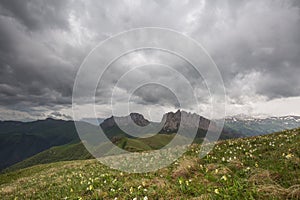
(54, 154)
(77, 151)
(20, 140)
(262, 167)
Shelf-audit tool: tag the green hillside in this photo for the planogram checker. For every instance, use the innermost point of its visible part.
(54, 154)
(77, 151)
(20, 140)
(262, 167)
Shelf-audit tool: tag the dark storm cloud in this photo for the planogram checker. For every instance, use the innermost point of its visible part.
(255, 44)
(158, 95)
(30, 71)
(257, 37)
(37, 14)
(155, 67)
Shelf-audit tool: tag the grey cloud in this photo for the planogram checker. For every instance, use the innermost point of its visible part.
(59, 115)
(175, 74)
(157, 95)
(260, 36)
(37, 14)
(29, 70)
(255, 44)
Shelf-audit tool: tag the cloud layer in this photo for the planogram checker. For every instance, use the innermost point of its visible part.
(255, 44)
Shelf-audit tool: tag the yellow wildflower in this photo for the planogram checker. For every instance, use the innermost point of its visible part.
(217, 191)
(131, 190)
(180, 181)
(224, 178)
(288, 156)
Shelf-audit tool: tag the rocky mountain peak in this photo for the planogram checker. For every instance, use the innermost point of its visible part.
(170, 123)
(137, 118)
(185, 119)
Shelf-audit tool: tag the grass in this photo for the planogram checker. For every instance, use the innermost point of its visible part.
(66, 152)
(262, 167)
(77, 151)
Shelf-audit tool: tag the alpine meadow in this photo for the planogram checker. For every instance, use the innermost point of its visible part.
(142, 100)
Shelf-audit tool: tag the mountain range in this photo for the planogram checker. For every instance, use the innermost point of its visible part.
(27, 143)
(250, 126)
(180, 122)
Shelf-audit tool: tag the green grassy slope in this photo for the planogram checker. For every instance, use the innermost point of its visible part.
(262, 167)
(20, 140)
(54, 154)
(77, 151)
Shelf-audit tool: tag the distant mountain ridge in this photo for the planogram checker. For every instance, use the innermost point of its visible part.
(171, 121)
(251, 126)
(260, 118)
(169, 124)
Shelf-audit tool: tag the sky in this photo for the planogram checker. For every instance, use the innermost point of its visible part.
(255, 45)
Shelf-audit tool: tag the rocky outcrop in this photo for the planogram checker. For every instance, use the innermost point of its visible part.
(137, 118)
(172, 121)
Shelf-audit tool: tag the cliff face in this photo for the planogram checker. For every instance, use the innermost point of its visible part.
(137, 118)
(185, 120)
(171, 121)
